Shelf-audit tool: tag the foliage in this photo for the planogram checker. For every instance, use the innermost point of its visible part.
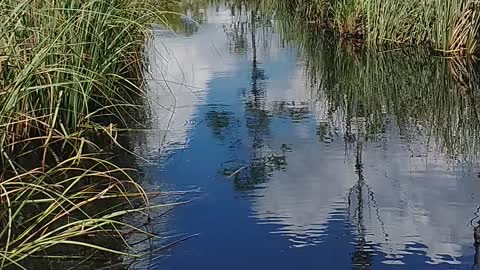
(449, 27)
(70, 70)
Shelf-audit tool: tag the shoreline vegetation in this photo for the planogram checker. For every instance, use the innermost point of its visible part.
(450, 28)
(71, 77)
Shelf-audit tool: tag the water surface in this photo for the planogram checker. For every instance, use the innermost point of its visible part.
(309, 154)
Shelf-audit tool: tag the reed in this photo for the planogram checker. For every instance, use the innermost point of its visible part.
(448, 27)
(63, 63)
(71, 72)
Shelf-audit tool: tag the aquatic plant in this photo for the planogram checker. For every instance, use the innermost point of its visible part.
(449, 27)
(70, 72)
(66, 62)
(348, 17)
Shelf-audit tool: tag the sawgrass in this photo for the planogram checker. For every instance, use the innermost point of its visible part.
(71, 72)
(447, 27)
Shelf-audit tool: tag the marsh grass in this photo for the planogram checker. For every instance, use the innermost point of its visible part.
(450, 27)
(447, 27)
(66, 62)
(70, 72)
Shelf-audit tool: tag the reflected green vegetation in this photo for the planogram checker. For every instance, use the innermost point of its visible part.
(432, 101)
(429, 99)
(219, 122)
(427, 96)
(262, 162)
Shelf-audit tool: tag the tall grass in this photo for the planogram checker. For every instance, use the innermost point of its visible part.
(70, 70)
(348, 17)
(449, 27)
(65, 62)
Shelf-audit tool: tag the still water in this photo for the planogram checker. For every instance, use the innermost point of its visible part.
(308, 154)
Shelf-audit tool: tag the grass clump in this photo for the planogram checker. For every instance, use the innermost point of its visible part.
(70, 70)
(63, 61)
(448, 27)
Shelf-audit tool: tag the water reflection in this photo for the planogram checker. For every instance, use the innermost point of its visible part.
(373, 155)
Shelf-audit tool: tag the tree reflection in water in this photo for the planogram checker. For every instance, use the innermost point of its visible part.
(476, 244)
(429, 102)
(361, 257)
(261, 160)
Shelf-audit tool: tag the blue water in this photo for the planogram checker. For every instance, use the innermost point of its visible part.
(278, 184)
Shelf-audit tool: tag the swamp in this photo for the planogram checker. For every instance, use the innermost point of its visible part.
(239, 134)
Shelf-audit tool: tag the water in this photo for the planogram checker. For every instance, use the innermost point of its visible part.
(308, 155)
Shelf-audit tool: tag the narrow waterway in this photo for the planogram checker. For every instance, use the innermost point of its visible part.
(307, 154)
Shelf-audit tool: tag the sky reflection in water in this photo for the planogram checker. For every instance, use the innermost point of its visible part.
(290, 177)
